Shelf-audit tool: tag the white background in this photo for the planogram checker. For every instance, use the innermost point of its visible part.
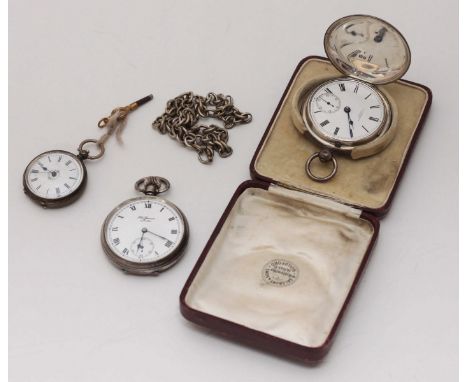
(73, 317)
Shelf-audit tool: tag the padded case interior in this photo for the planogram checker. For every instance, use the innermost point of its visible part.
(366, 183)
(325, 242)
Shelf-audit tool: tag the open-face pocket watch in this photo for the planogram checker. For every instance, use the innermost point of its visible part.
(351, 115)
(147, 234)
(57, 178)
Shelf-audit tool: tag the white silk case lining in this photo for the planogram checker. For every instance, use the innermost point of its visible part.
(324, 240)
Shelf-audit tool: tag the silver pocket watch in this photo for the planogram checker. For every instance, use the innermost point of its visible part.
(350, 115)
(57, 178)
(147, 234)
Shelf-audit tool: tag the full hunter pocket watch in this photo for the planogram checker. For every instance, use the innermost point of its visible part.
(147, 234)
(350, 115)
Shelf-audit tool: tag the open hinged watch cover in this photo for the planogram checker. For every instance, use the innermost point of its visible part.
(284, 259)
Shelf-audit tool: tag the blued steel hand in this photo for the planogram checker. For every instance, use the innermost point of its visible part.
(347, 110)
(155, 234)
(143, 231)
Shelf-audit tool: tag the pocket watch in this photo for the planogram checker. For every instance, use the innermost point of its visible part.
(351, 115)
(57, 178)
(147, 234)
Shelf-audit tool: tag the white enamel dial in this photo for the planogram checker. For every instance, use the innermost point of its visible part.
(346, 110)
(54, 174)
(144, 230)
(327, 102)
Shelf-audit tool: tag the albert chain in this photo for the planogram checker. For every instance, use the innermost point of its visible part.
(183, 113)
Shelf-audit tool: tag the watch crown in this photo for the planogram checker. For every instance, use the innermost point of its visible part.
(152, 185)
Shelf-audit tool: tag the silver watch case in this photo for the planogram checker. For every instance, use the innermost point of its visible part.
(150, 268)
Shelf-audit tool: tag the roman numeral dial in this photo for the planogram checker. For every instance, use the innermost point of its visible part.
(345, 110)
(54, 174)
(144, 230)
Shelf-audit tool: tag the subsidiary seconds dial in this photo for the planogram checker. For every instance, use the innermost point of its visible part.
(144, 230)
(145, 235)
(351, 115)
(346, 110)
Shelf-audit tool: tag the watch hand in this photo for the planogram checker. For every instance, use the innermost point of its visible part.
(328, 103)
(143, 231)
(155, 234)
(347, 110)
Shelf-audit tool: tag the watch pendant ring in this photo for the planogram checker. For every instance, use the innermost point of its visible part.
(324, 156)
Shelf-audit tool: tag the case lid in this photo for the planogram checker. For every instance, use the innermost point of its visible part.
(367, 48)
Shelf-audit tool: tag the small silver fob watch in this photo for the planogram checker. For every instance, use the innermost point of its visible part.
(147, 234)
(57, 178)
(350, 115)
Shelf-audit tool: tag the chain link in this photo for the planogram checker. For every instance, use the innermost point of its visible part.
(182, 114)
